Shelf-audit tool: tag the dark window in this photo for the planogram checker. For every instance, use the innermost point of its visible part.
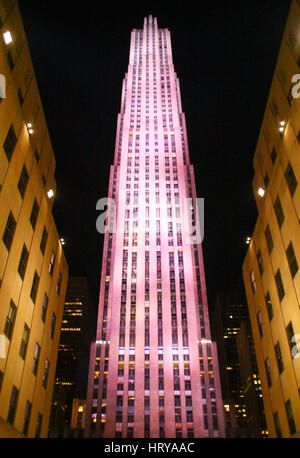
(268, 371)
(13, 405)
(9, 231)
(291, 179)
(279, 285)
(34, 213)
(46, 373)
(34, 287)
(260, 324)
(24, 341)
(52, 328)
(10, 320)
(59, 280)
(23, 180)
(20, 95)
(266, 180)
(36, 155)
(260, 262)
(10, 60)
(27, 417)
(279, 211)
(279, 357)
(269, 239)
(273, 155)
(44, 307)
(277, 424)
(51, 263)
(23, 261)
(36, 358)
(269, 306)
(291, 257)
(38, 425)
(291, 336)
(252, 281)
(290, 416)
(10, 143)
(44, 240)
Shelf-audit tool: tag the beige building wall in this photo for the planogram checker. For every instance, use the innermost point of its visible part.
(19, 148)
(271, 273)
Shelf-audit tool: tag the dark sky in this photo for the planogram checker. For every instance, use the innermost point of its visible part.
(224, 54)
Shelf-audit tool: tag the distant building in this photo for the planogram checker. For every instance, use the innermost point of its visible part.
(33, 268)
(230, 327)
(271, 267)
(78, 330)
(250, 382)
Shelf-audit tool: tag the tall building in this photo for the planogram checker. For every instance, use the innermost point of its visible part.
(271, 273)
(153, 368)
(228, 312)
(77, 332)
(33, 269)
(250, 382)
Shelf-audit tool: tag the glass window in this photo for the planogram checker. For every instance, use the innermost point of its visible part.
(291, 179)
(290, 416)
(10, 320)
(34, 287)
(13, 405)
(269, 239)
(24, 341)
(9, 231)
(23, 180)
(44, 240)
(23, 261)
(279, 211)
(10, 143)
(34, 213)
(279, 285)
(291, 257)
(279, 357)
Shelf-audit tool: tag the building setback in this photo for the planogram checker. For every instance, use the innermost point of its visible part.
(271, 267)
(33, 269)
(153, 367)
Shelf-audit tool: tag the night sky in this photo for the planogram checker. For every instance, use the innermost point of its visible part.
(224, 55)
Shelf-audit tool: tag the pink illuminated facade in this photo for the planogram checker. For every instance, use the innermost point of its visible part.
(153, 368)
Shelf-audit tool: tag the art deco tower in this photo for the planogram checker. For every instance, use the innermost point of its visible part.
(153, 368)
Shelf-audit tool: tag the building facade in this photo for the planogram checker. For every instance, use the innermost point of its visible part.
(77, 332)
(228, 312)
(153, 367)
(33, 269)
(271, 273)
(250, 382)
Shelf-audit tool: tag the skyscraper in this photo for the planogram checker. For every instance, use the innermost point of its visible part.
(153, 368)
(33, 268)
(271, 266)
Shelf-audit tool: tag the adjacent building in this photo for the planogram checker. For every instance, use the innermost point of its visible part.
(243, 406)
(33, 269)
(77, 332)
(271, 268)
(153, 367)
